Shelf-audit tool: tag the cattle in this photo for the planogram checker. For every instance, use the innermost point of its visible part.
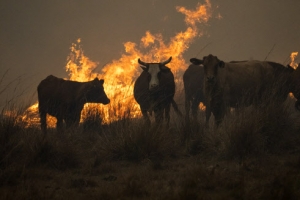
(154, 91)
(193, 88)
(64, 99)
(296, 86)
(245, 83)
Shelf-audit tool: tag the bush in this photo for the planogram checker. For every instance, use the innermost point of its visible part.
(130, 140)
(254, 131)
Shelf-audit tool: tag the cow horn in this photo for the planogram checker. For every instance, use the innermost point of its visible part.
(142, 63)
(167, 61)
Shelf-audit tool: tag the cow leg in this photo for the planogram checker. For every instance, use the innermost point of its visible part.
(59, 123)
(72, 117)
(167, 114)
(77, 119)
(69, 123)
(73, 120)
(207, 115)
(146, 117)
(195, 105)
(43, 120)
(218, 118)
(219, 115)
(187, 108)
(158, 112)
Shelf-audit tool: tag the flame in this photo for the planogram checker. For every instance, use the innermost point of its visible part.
(294, 65)
(201, 14)
(119, 75)
(202, 106)
(293, 57)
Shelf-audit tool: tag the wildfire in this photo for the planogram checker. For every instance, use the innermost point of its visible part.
(201, 14)
(293, 57)
(119, 75)
(294, 65)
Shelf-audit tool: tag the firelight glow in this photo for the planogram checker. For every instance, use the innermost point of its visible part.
(119, 75)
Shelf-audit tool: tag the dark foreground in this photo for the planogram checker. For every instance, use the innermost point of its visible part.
(255, 154)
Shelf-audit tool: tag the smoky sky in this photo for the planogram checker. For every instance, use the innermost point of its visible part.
(35, 35)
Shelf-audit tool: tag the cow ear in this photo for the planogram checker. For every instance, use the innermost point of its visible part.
(96, 79)
(222, 64)
(102, 81)
(196, 61)
(144, 68)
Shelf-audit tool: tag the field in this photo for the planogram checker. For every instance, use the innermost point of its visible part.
(254, 154)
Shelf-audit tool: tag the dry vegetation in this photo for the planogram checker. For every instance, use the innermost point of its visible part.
(254, 154)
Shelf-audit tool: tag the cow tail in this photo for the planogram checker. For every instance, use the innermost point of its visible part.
(174, 104)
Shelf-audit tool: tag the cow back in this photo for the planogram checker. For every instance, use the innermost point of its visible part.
(56, 95)
(193, 79)
(243, 82)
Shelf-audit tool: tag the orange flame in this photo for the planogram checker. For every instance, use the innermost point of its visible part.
(293, 57)
(119, 75)
(201, 14)
(294, 65)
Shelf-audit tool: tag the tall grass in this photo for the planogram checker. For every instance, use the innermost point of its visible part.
(255, 131)
(253, 150)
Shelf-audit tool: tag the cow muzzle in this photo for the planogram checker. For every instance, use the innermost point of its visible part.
(153, 87)
(210, 79)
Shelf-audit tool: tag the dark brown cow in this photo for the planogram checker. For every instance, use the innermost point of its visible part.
(193, 87)
(244, 83)
(154, 90)
(65, 99)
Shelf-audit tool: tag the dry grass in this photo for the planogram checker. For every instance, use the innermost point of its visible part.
(254, 154)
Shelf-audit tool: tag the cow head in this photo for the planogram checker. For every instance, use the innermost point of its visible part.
(211, 66)
(95, 92)
(154, 71)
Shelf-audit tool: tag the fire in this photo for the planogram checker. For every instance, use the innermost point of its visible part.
(202, 106)
(294, 65)
(293, 57)
(201, 14)
(119, 75)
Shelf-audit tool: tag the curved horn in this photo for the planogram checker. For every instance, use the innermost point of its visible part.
(142, 63)
(167, 61)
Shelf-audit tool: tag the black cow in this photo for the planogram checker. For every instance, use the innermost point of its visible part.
(193, 88)
(154, 90)
(65, 99)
